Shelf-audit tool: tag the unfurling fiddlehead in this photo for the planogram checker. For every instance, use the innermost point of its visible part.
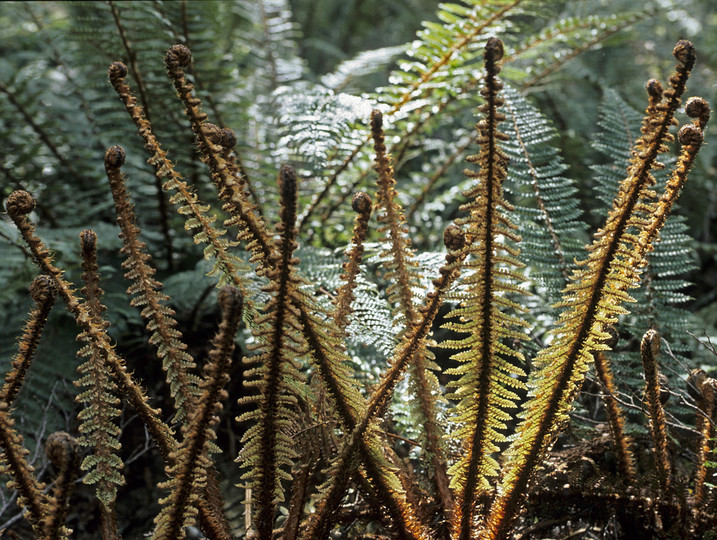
(490, 370)
(403, 276)
(594, 297)
(146, 289)
(98, 426)
(44, 294)
(63, 451)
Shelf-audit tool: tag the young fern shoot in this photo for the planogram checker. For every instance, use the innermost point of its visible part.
(593, 299)
(490, 371)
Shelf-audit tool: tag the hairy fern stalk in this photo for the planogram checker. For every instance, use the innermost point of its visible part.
(317, 456)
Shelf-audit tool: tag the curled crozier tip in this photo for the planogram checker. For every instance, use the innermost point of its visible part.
(178, 56)
(212, 132)
(697, 107)
(684, 53)
(117, 71)
(650, 343)
(454, 238)
(288, 185)
(115, 157)
(376, 120)
(19, 203)
(493, 50)
(88, 239)
(361, 203)
(61, 448)
(690, 135)
(43, 289)
(230, 301)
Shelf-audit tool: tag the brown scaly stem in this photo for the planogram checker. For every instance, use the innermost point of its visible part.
(14, 463)
(147, 291)
(361, 204)
(401, 272)
(706, 388)
(616, 420)
(63, 452)
(185, 195)
(253, 231)
(99, 418)
(345, 464)
(582, 323)
(43, 294)
(21, 203)
(242, 211)
(649, 349)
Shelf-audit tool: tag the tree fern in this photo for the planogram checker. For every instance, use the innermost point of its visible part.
(325, 418)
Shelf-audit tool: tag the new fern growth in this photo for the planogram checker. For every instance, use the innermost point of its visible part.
(318, 454)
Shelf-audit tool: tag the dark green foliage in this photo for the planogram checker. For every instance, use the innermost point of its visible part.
(325, 422)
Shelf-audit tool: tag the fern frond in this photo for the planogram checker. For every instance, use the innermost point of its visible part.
(649, 349)
(593, 301)
(565, 40)
(43, 293)
(21, 203)
(552, 231)
(411, 345)
(98, 421)
(268, 450)
(226, 264)
(402, 275)
(209, 139)
(188, 476)
(706, 388)
(63, 452)
(489, 373)
(145, 288)
(15, 464)
(361, 204)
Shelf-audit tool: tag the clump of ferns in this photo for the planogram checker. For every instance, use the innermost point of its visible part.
(307, 416)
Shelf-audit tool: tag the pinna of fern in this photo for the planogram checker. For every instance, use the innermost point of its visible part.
(597, 289)
(324, 343)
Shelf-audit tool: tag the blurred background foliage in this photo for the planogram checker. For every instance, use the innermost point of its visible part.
(296, 80)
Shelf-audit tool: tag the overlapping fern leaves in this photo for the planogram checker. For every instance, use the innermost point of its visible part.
(301, 362)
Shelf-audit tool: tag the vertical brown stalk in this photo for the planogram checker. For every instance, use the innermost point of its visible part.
(361, 204)
(44, 294)
(616, 419)
(63, 452)
(189, 474)
(649, 349)
(706, 389)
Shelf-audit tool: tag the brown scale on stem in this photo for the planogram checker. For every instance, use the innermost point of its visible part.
(649, 350)
(184, 197)
(250, 226)
(403, 276)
